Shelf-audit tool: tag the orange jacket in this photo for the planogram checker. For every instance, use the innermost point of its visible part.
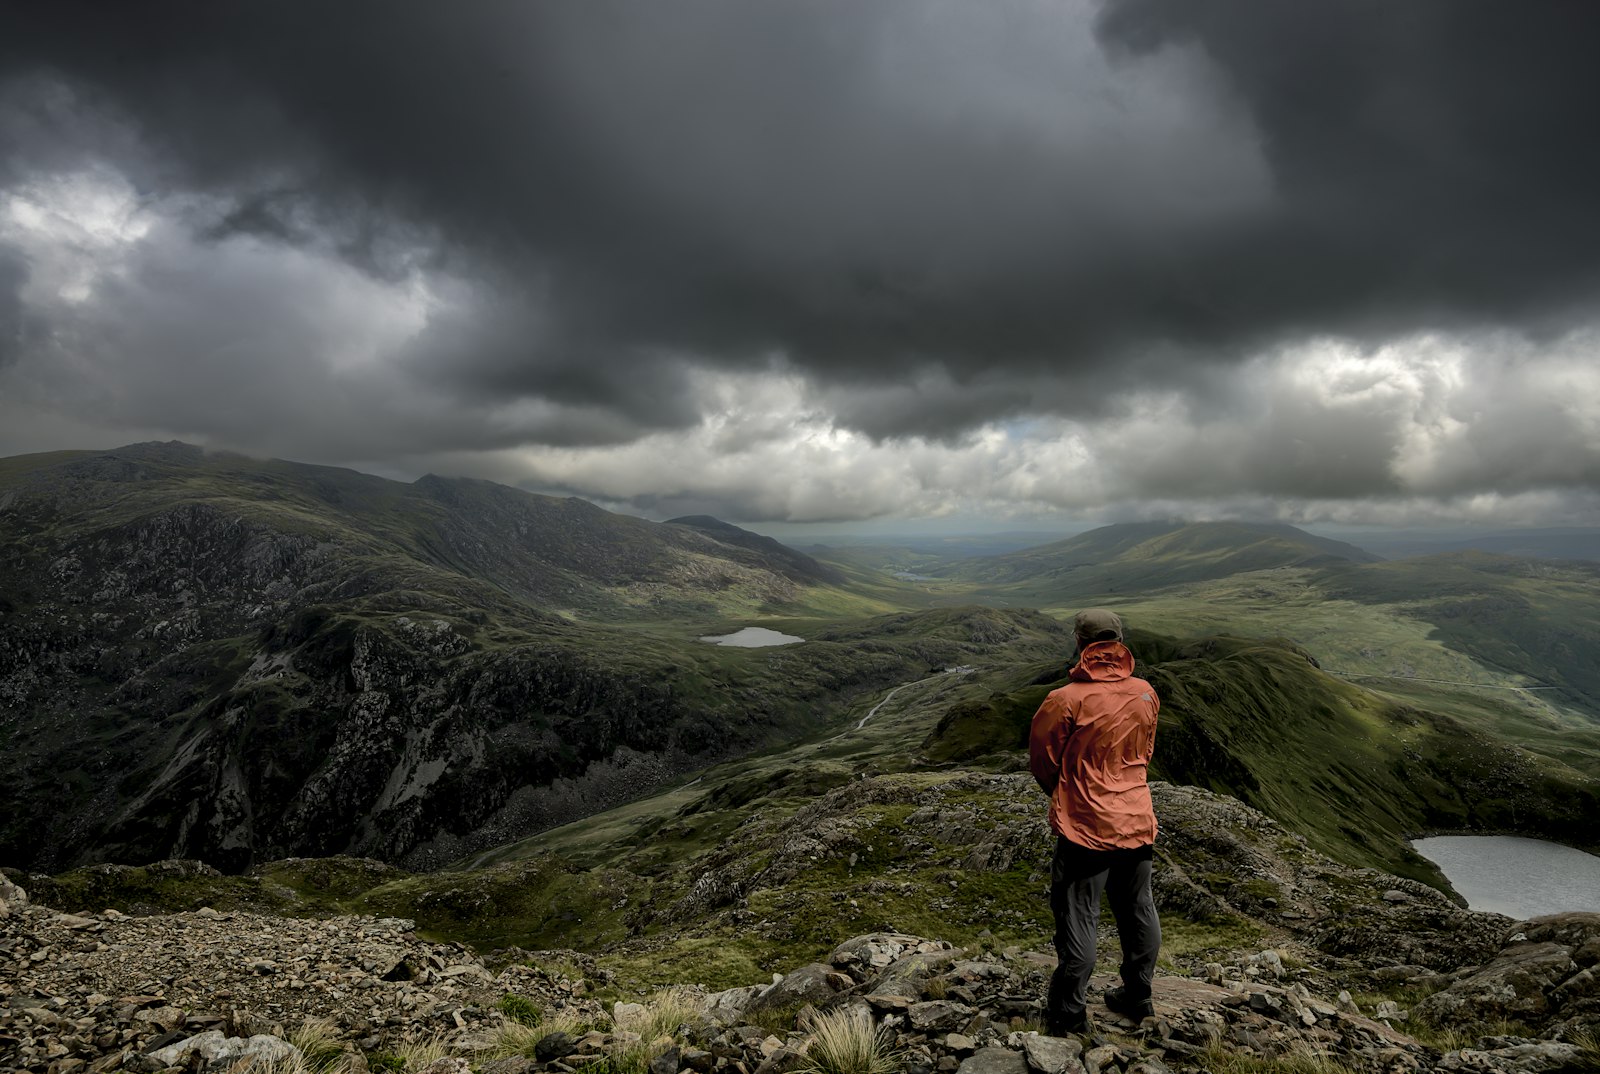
(1089, 746)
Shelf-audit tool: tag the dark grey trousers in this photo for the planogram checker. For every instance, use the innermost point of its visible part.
(1078, 876)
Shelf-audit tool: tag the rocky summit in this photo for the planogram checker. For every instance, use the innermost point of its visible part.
(1303, 965)
(92, 992)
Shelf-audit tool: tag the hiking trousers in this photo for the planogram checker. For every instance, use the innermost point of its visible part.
(1078, 877)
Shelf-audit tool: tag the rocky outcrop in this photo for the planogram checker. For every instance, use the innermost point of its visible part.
(86, 992)
(1216, 858)
(89, 992)
(1547, 972)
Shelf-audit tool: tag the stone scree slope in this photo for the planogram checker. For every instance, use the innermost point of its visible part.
(87, 993)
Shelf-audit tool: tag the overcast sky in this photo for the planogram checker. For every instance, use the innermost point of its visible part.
(824, 260)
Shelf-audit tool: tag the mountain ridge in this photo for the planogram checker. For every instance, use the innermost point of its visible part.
(211, 656)
(1153, 555)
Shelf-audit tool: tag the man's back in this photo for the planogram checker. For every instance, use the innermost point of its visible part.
(1090, 744)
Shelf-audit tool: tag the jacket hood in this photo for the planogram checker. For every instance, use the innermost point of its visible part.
(1103, 661)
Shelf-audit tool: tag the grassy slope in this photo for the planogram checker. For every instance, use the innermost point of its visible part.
(1342, 765)
(397, 554)
(1363, 766)
(1148, 555)
(1533, 618)
(1354, 769)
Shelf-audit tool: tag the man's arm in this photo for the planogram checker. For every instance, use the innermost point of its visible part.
(1047, 740)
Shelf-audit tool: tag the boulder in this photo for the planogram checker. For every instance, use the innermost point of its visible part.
(12, 897)
(557, 1045)
(216, 1049)
(1052, 1055)
(939, 1015)
(814, 983)
(994, 1061)
(1516, 984)
(876, 950)
(728, 1006)
(1571, 929)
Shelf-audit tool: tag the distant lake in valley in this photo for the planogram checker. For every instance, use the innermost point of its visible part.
(1511, 875)
(752, 637)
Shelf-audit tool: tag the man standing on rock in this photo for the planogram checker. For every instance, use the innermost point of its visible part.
(1090, 744)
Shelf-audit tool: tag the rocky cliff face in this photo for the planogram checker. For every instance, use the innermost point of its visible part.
(211, 657)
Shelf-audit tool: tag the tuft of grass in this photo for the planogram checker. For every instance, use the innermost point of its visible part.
(519, 1039)
(1292, 960)
(628, 1061)
(410, 1057)
(1219, 1059)
(520, 1009)
(1587, 1042)
(666, 1013)
(846, 1042)
(318, 1043)
(1448, 1038)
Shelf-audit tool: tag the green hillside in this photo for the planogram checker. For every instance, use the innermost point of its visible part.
(232, 659)
(1355, 771)
(1536, 618)
(1151, 555)
(226, 658)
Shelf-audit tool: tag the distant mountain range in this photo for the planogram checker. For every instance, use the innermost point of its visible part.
(1150, 555)
(212, 656)
(1566, 542)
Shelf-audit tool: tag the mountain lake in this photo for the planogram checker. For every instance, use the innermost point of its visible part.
(752, 637)
(1515, 876)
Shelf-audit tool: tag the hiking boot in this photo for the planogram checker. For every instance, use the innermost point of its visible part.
(1118, 1001)
(1066, 1025)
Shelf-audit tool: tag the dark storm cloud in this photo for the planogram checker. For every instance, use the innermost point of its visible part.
(364, 229)
(867, 190)
(876, 191)
(13, 275)
(1433, 160)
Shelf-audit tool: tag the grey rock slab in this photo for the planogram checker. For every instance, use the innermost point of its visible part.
(555, 1045)
(448, 1065)
(728, 1005)
(1533, 1056)
(216, 1048)
(781, 1061)
(1052, 1055)
(876, 950)
(1101, 1059)
(814, 983)
(1149, 1065)
(629, 1015)
(12, 893)
(1516, 984)
(994, 1061)
(939, 1014)
(979, 970)
(515, 1065)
